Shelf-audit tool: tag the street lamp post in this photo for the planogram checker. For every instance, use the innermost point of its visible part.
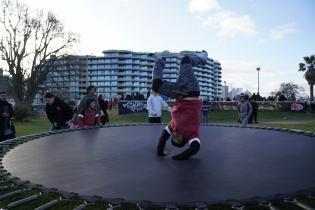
(258, 69)
(225, 94)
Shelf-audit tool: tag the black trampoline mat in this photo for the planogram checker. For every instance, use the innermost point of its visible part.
(121, 162)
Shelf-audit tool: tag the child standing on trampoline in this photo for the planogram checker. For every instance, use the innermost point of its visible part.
(185, 122)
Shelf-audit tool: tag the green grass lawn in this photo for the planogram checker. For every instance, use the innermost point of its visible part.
(303, 126)
(300, 121)
(35, 124)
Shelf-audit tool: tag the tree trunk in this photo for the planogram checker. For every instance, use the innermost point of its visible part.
(32, 90)
(18, 87)
(312, 92)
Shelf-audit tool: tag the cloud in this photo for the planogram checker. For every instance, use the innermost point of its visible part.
(225, 22)
(196, 6)
(123, 1)
(240, 74)
(243, 74)
(230, 24)
(279, 32)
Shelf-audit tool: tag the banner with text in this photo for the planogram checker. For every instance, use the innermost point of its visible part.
(126, 107)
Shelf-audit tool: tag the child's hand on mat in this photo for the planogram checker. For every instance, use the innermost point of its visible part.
(165, 153)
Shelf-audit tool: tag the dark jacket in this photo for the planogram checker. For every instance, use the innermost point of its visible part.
(59, 112)
(205, 107)
(5, 122)
(103, 105)
(255, 106)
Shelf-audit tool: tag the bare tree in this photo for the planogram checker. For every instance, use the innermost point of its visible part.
(30, 43)
(287, 91)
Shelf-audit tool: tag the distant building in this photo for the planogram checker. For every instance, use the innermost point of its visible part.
(69, 77)
(235, 93)
(120, 72)
(225, 93)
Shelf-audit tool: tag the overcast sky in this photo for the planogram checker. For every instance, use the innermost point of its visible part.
(241, 34)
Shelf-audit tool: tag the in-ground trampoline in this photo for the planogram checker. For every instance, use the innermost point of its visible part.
(121, 162)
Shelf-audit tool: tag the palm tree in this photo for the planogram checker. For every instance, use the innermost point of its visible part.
(309, 68)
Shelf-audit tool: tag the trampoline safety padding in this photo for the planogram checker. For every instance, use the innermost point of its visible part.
(120, 162)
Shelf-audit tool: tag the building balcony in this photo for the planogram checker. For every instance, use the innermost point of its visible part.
(124, 62)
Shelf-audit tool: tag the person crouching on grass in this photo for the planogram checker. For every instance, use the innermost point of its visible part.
(185, 122)
(89, 116)
(58, 112)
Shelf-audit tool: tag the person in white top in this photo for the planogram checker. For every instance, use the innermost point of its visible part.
(154, 106)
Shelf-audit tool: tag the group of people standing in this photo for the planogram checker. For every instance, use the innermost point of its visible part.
(92, 111)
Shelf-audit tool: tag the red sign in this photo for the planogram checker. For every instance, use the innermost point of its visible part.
(296, 107)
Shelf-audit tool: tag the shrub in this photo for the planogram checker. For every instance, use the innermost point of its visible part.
(21, 111)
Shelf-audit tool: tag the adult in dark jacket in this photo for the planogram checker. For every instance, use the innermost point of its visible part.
(255, 110)
(58, 112)
(7, 130)
(103, 106)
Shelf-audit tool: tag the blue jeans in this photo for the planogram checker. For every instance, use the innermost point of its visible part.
(186, 80)
(205, 117)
